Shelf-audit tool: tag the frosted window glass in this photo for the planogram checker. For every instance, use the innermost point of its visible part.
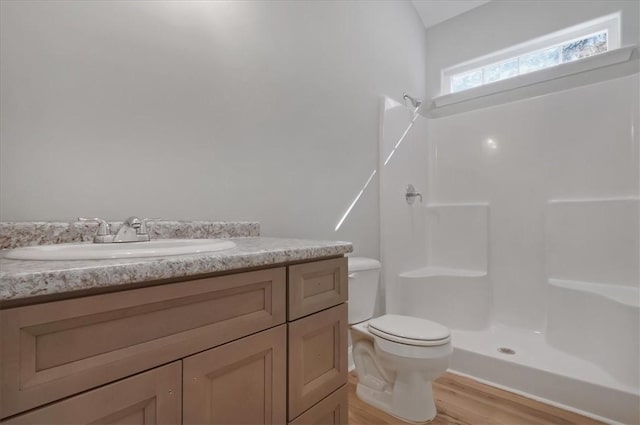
(466, 81)
(583, 48)
(539, 60)
(500, 71)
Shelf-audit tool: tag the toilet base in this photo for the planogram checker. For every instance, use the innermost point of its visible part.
(403, 405)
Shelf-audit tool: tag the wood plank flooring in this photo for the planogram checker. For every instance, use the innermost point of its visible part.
(463, 401)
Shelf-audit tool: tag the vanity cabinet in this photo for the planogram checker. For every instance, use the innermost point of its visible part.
(256, 347)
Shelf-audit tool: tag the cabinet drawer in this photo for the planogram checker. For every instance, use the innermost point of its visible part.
(317, 358)
(152, 397)
(243, 382)
(332, 410)
(53, 350)
(316, 286)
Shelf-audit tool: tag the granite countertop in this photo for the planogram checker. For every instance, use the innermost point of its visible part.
(20, 279)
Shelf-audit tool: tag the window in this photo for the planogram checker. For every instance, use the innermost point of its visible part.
(571, 44)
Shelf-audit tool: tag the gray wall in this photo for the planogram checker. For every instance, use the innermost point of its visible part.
(500, 24)
(202, 110)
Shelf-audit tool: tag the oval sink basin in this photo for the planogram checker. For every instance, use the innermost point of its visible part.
(103, 251)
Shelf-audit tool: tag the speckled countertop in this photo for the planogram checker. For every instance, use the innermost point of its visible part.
(17, 234)
(23, 279)
(20, 279)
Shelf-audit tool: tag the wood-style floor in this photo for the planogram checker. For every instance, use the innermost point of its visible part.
(463, 401)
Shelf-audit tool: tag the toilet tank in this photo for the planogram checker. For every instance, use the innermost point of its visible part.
(364, 276)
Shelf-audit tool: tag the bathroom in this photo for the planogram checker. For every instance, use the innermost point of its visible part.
(292, 114)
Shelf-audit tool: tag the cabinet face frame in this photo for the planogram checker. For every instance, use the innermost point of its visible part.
(46, 351)
(317, 358)
(236, 363)
(153, 397)
(316, 286)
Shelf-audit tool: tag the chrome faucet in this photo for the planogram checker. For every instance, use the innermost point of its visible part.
(129, 231)
(132, 229)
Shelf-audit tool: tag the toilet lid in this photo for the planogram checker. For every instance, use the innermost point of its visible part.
(409, 330)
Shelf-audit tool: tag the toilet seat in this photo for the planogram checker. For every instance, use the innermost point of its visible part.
(409, 330)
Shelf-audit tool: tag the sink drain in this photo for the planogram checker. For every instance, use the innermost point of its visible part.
(506, 350)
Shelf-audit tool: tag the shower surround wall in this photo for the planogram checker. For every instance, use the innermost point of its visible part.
(528, 234)
(560, 173)
(528, 238)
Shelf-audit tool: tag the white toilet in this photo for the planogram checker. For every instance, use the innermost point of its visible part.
(396, 357)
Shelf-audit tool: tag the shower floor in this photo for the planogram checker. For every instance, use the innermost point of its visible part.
(541, 371)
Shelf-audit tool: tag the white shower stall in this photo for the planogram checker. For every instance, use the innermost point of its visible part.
(526, 242)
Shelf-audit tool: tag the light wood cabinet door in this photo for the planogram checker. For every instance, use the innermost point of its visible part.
(152, 397)
(316, 286)
(242, 382)
(57, 349)
(317, 358)
(333, 410)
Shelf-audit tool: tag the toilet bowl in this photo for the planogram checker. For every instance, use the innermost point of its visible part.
(396, 357)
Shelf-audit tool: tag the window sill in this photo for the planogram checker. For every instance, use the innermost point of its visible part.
(587, 64)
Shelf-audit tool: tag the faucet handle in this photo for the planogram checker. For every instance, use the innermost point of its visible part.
(143, 227)
(411, 194)
(104, 228)
(133, 222)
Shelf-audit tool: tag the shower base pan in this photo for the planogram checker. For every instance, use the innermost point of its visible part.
(522, 362)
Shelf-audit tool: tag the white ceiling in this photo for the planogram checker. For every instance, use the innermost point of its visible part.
(433, 12)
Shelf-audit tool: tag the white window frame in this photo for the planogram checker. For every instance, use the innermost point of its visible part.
(609, 23)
